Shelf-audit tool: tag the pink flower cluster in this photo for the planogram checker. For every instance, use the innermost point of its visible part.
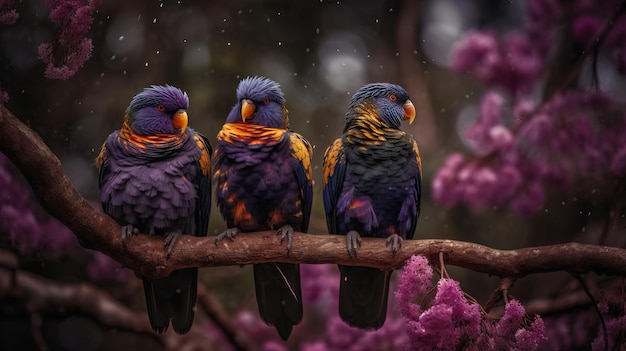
(511, 63)
(74, 18)
(8, 13)
(589, 21)
(321, 329)
(571, 136)
(522, 147)
(28, 228)
(451, 322)
(31, 231)
(616, 335)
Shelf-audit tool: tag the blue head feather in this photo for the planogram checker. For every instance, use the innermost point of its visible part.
(144, 114)
(389, 112)
(268, 99)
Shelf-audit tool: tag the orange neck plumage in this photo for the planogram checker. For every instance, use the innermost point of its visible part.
(250, 133)
(143, 141)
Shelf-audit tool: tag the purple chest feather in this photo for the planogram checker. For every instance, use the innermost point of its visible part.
(255, 181)
(153, 190)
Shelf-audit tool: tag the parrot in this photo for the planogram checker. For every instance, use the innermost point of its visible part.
(154, 178)
(263, 181)
(372, 188)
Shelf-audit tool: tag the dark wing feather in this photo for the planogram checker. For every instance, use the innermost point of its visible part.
(418, 191)
(301, 151)
(203, 206)
(334, 174)
(102, 163)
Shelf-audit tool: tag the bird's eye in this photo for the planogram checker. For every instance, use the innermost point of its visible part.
(266, 101)
(161, 108)
(393, 98)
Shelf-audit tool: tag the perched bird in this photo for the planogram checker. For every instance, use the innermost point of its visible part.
(263, 181)
(155, 179)
(372, 188)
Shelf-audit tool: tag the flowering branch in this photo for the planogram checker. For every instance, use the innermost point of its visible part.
(70, 48)
(146, 255)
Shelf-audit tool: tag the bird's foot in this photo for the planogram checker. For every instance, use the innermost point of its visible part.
(396, 241)
(171, 239)
(353, 240)
(285, 232)
(127, 232)
(229, 233)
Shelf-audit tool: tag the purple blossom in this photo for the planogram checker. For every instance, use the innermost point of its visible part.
(320, 285)
(532, 338)
(512, 63)
(551, 145)
(74, 58)
(450, 319)
(74, 18)
(29, 228)
(512, 317)
(487, 134)
(4, 96)
(32, 232)
(444, 182)
(314, 346)
(543, 16)
(585, 28)
(103, 269)
(511, 333)
(274, 345)
(342, 337)
(618, 163)
(528, 201)
(414, 282)
(616, 334)
(8, 13)
(478, 54)
(434, 330)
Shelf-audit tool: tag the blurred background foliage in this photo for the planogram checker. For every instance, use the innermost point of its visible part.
(320, 52)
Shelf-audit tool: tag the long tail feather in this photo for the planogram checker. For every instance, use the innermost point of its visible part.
(279, 296)
(363, 294)
(173, 297)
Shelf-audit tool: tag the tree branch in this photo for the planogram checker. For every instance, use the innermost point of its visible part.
(146, 255)
(40, 294)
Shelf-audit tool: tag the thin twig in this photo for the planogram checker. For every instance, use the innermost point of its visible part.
(442, 265)
(211, 306)
(35, 327)
(596, 308)
(499, 293)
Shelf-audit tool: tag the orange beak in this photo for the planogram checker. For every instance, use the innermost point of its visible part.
(247, 109)
(180, 120)
(409, 111)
